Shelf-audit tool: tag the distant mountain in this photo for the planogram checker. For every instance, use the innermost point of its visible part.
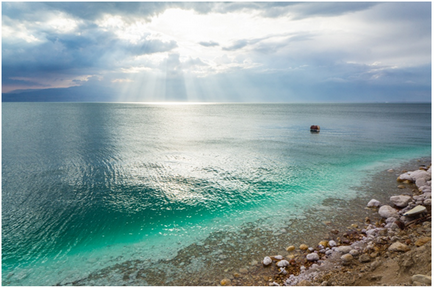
(71, 94)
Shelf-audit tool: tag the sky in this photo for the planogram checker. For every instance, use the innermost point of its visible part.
(216, 52)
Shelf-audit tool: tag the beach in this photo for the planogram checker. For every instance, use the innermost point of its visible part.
(382, 249)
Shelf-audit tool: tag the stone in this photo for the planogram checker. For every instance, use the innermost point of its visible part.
(276, 258)
(401, 186)
(425, 279)
(290, 248)
(420, 182)
(303, 247)
(391, 219)
(400, 200)
(364, 258)
(267, 261)
(304, 283)
(422, 241)
(373, 203)
(427, 202)
(398, 247)
(332, 243)
(354, 252)
(282, 263)
(387, 211)
(225, 282)
(324, 243)
(416, 210)
(347, 257)
(312, 257)
(344, 249)
(244, 270)
(413, 176)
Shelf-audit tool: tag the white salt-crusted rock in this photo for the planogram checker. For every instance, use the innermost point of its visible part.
(267, 261)
(400, 200)
(332, 243)
(374, 203)
(386, 211)
(414, 175)
(312, 257)
(282, 263)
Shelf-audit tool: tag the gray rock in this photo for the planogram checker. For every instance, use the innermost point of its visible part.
(386, 211)
(373, 203)
(364, 258)
(282, 263)
(427, 202)
(344, 249)
(425, 279)
(400, 200)
(354, 252)
(398, 247)
(312, 257)
(420, 182)
(391, 219)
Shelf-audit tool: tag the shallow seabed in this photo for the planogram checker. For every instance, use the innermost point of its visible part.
(223, 254)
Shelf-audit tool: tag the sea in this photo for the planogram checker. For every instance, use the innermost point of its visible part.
(158, 194)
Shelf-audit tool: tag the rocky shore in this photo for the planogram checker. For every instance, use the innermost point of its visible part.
(391, 248)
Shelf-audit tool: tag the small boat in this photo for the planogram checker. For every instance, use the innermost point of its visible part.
(314, 128)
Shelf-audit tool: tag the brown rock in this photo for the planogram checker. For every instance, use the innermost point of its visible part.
(225, 282)
(422, 241)
(398, 247)
(290, 248)
(303, 247)
(324, 243)
(304, 283)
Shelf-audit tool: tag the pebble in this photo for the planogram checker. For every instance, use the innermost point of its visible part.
(344, 249)
(332, 243)
(425, 279)
(387, 211)
(421, 241)
(364, 258)
(347, 257)
(303, 247)
(282, 263)
(243, 270)
(323, 243)
(312, 257)
(267, 261)
(354, 252)
(374, 203)
(225, 282)
(290, 248)
(398, 247)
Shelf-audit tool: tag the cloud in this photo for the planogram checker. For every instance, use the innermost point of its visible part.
(209, 44)
(263, 48)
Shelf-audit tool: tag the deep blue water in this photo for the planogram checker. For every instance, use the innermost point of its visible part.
(86, 185)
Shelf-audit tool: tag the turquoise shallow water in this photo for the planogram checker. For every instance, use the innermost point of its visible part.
(87, 186)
